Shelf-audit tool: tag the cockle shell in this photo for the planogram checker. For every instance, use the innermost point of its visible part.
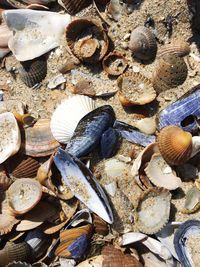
(10, 137)
(177, 47)
(152, 210)
(67, 115)
(135, 89)
(175, 145)
(143, 43)
(24, 194)
(92, 262)
(114, 63)
(74, 6)
(192, 201)
(170, 71)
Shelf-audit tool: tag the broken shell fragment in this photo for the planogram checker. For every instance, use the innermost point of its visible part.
(192, 201)
(6, 223)
(146, 125)
(177, 47)
(73, 7)
(114, 63)
(83, 87)
(18, 264)
(100, 227)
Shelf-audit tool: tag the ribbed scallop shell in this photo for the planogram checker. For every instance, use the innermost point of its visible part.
(177, 47)
(74, 6)
(169, 72)
(135, 89)
(18, 264)
(175, 145)
(24, 194)
(87, 39)
(143, 43)
(152, 210)
(33, 71)
(67, 115)
(114, 63)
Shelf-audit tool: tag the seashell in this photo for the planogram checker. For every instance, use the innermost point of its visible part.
(100, 227)
(24, 194)
(5, 181)
(114, 63)
(161, 174)
(9, 135)
(26, 120)
(146, 125)
(12, 106)
(47, 34)
(177, 47)
(83, 184)
(114, 10)
(135, 89)
(192, 201)
(6, 223)
(83, 87)
(143, 43)
(169, 72)
(18, 264)
(87, 39)
(39, 140)
(56, 81)
(73, 7)
(15, 252)
(152, 210)
(5, 34)
(63, 126)
(175, 145)
(110, 141)
(92, 262)
(33, 71)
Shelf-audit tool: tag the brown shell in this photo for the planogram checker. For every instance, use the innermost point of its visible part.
(100, 226)
(83, 87)
(152, 210)
(87, 39)
(33, 71)
(143, 43)
(175, 145)
(5, 181)
(169, 72)
(74, 6)
(135, 89)
(177, 47)
(6, 223)
(39, 140)
(114, 63)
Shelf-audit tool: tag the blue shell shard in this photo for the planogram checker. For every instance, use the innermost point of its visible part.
(133, 135)
(109, 142)
(182, 112)
(79, 247)
(89, 130)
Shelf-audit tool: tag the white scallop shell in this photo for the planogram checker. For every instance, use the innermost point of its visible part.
(67, 115)
(10, 137)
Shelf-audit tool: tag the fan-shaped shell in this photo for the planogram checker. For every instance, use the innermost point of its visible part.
(24, 194)
(114, 63)
(152, 210)
(33, 71)
(135, 89)
(143, 43)
(169, 72)
(87, 39)
(74, 6)
(67, 115)
(175, 145)
(177, 47)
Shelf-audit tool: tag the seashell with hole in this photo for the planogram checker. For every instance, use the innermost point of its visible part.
(161, 174)
(67, 115)
(135, 89)
(175, 145)
(143, 43)
(73, 7)
(192, 201)
(114, 63)
(39, 140)
(87, 39)
(152, 210)
(177, 47)
(18, 264)
(100, 227)
(33, 71)
(170, 71)
(24, 194)
(10, 137)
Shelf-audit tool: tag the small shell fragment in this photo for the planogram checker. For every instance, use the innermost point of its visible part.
(114, 63)
(192, 201)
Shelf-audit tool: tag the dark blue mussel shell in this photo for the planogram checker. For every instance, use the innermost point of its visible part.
(89, 131)
(109, 142)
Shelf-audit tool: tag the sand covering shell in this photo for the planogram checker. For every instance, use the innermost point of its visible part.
(152, 210)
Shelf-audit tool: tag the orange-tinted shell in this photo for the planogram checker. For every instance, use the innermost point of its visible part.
(114, 63)
(100, 226)
(175, 145)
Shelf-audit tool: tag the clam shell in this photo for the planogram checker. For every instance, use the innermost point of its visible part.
(39, 140)
(18, 264)
(24, 194)
(100, 227)
(177, 47)
(152, 210)
(170, 71)
(135, 89)
(192, 201)
(74, 6)
(9, 135)
(143, 43)
(6, 223)
(160, 173)
(33, 71)
(175, 145)
(67, 115)
(87, 39)
(114, 63)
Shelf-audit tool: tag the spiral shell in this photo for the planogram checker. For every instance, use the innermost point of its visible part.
(114, 63)
(74, 6)
(175, 145)
(143, 43)
(177, 47)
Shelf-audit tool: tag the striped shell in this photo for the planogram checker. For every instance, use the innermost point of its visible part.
(100, 226)
(135, 89)
(33, 71)
(114, 63)
(74, 6)
(143, 43)
(177, 47)
(175, 145)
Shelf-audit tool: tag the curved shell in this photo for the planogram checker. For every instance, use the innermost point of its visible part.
(95, 261)
(152, 210)
(74, 6)
(143, 43)
(67, 115)
(18, 264)
(169, 72)
(87, 39)
(192, 201)
(135, 89)
(5, 181)
(114, 63)
(33, 71)
(6, 223)
(24, 194)
(177, 47)
(175, 145)
(100, 226)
